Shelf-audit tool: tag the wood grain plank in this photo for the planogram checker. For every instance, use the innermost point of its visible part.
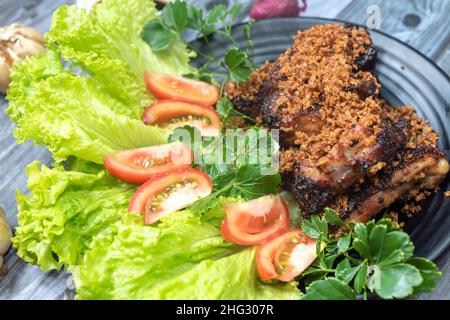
(36, 13)
(24, 281)
(325, 9)
(424, 24)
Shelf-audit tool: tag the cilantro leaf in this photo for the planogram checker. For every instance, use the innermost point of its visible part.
(375, 256)
(377, 242)
(239, 164)
(361, 277)
(316, 227)
(394, 281)
(344, 243)
(195, 18)
(360, 240)
(251, 183)
(237, 64)
(175, 15)
(234, 11)
(397, 247)
(332, 217)
(345, 272)
(224, 108)
(157, 35)
(213, 17)
(329, 289)
(429, 272)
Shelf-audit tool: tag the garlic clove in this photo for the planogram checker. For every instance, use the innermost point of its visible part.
(25, 47)
(5, 237)
(16, 43)
(4, 74)
(29, 33)
(5, 233)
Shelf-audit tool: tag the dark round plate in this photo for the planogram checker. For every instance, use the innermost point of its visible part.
(407, 78)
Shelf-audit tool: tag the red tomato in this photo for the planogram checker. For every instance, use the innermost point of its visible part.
(169, 193)
(285, 256)
(164, 86)
(252, 222)
(172, 114)
(141, 165)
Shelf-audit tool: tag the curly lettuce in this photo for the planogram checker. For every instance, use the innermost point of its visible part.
(183, 258)
(64, 212)
(86, 95)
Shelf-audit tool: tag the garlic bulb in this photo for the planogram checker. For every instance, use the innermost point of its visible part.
(5, 236)
(16, 43)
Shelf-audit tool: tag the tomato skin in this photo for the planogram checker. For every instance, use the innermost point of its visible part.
(149, 190)
(164, 110)
(125, 165)
(265, 254)
(164, 86)
(301, 256)
(299, 249)
(250, 223)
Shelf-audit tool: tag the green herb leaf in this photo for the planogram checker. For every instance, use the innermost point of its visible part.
(394, 281)
(344, 243)
(234, 11)
(376, 242)
(329, 289)
(361, 277)
(429, 272)
(251, 183)
(247, 33)
(329, 260)
(175, 15)
(224, 108)
(245, 171)
(158, 36)
(195, 18)
(345, 272)
(237, 64)
(397, 248)
(332, 217)
(360, 240)
(315, 227)
(213, 17)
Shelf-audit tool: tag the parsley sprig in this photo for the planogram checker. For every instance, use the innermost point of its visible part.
(241, 163)
(375, 257)
(177, 16)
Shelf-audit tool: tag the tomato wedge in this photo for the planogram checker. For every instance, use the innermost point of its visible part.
(141, 165)
(172, 192)
(164, 86)
(172, 114)
(285, 256)
(252, 222)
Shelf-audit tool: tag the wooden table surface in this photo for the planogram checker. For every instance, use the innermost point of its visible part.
(424, 24)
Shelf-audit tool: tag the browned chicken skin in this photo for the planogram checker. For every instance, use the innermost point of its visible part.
(420, 168)
(342, 145)
(316, 184)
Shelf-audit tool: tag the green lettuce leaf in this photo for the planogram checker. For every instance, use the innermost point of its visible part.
(182, 258)
(107, 43)
(86, 95)
(65, 210)
(71, 116)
